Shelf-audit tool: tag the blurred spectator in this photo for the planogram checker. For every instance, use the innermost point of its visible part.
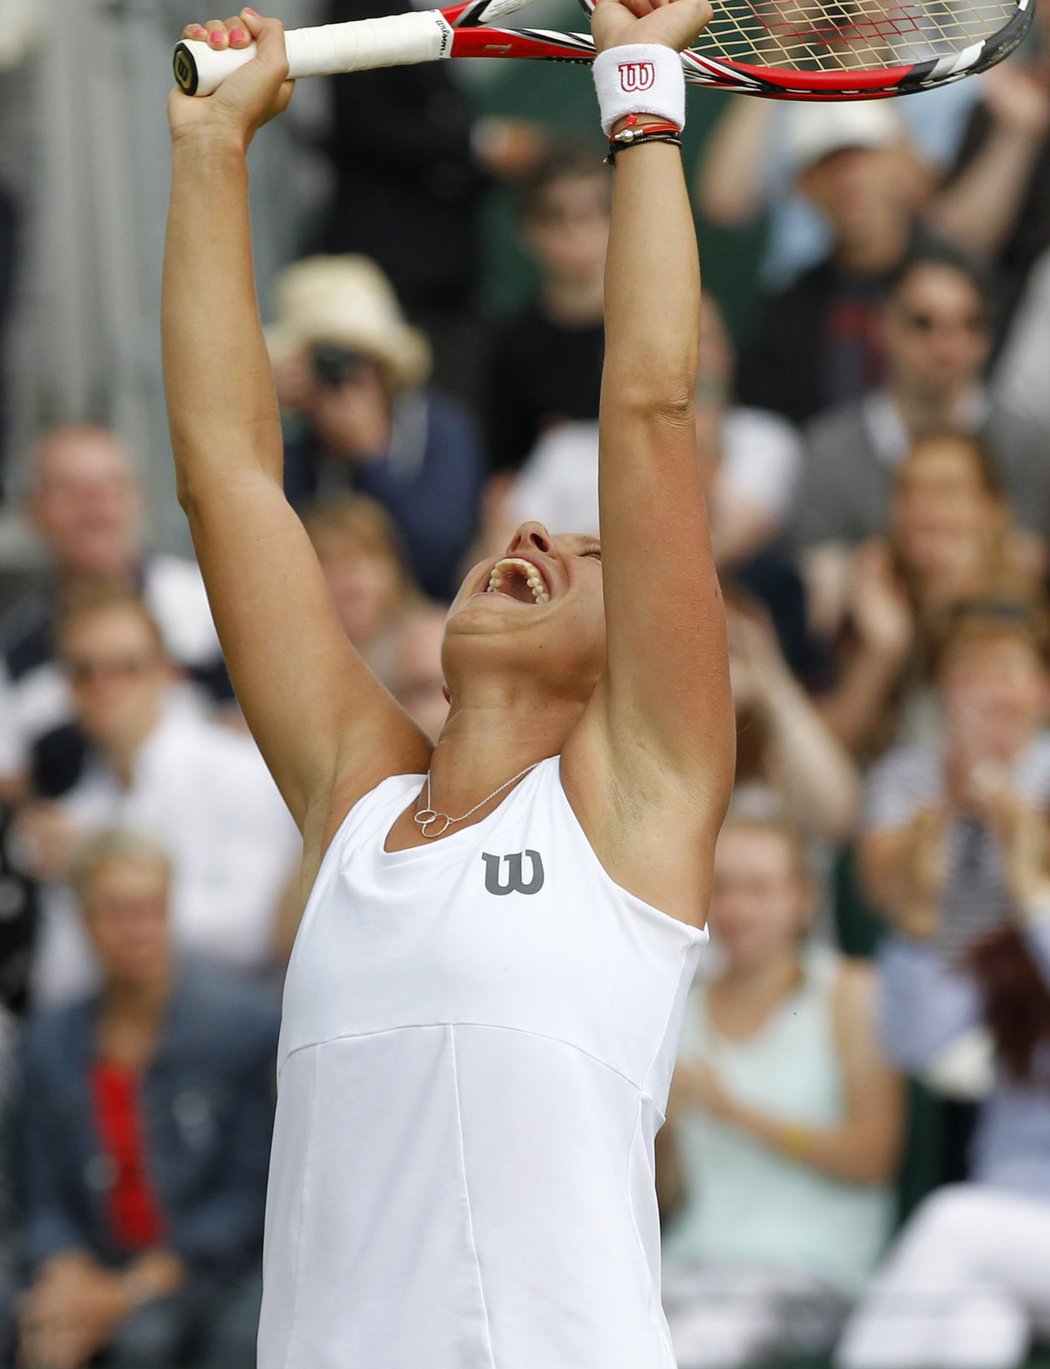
(967, 1283)
(785, 1122)
(543, 364)
(85, 504)
(148, 1111)
(788, 761)
(814, 343)
(365, 568)
(932, 843)
(8, 263)
(996, 199)
(936, 334)
(22, 23)
(1020, 378)
(416, 679)
(351, 370)
(753, 455)
(200, 787)
(750, 459)
(951, 540)
(745, 171)
(409, 176)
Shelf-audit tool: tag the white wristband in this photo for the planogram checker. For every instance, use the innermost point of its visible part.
(639, 78)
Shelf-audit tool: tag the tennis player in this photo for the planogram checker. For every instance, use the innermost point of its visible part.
(483, 1004)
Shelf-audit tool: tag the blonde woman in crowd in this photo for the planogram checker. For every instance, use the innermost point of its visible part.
(785, 1123)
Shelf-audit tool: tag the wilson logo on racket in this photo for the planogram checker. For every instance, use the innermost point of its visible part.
(636, 75)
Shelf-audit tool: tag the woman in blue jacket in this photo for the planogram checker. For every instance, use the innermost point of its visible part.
(148, 1113)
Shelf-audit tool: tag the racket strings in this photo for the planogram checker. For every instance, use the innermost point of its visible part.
(843, 35)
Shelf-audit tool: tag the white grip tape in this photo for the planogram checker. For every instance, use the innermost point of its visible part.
(329, 49)
(393, 41)
(639, 78)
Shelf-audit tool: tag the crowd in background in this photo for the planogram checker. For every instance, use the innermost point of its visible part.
(856, 1161)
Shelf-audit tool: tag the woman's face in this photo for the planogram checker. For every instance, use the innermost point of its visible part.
(126, 918)
(994, 693)
(759, 902)
(536, 609)
(364, 586)
(568, 231)
(943, 520)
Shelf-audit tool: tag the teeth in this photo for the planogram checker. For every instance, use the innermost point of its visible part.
(505, 569)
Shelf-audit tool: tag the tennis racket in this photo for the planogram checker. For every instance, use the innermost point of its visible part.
(781, 49)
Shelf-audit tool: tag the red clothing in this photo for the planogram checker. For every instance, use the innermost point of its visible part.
(134, 1213)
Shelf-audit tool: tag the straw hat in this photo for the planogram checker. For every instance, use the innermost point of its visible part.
(346, 302)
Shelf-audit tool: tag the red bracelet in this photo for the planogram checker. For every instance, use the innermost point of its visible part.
(640, 135)
(633, 128)
(634, 132)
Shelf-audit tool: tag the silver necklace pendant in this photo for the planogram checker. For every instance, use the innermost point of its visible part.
(427, 819)
(433, 824)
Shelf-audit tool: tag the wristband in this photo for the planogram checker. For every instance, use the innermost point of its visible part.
(639, 78)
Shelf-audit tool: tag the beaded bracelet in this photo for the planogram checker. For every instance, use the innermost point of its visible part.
(635, 132)
(660, 133)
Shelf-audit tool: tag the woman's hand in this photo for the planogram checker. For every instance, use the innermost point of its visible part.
(880, 610)
(45, 839)
(251, 96)
(71, 1312)
(924, 872)
(1021, 828)
(700, 1086)
(675, 23)
(756, 664)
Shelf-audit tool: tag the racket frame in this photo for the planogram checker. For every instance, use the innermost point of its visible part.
(462, 30)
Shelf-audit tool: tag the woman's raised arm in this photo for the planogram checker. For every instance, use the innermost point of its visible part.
(322, 721)
(662, 718)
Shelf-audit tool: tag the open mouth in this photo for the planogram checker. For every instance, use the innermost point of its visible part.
(518, 579)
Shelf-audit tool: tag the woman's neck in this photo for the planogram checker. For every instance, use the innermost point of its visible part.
(484, 744)
(743, 997)
(132, 1014)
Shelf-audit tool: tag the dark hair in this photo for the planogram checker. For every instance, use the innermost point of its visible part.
(942, 257)
(1016, 1000)
(566, 159)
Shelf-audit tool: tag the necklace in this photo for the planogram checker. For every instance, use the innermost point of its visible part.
(428, 818)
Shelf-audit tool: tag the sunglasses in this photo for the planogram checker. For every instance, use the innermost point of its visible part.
(921, 322)
(85, 672)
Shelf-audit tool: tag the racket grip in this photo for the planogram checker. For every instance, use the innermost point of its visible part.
(327, 50)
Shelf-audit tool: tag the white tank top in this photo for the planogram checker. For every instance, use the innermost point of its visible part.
(478, 1040)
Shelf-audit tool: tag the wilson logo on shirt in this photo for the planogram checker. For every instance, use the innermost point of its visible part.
(515, 883)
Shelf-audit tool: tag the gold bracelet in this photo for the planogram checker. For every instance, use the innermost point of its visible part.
(795, 1140)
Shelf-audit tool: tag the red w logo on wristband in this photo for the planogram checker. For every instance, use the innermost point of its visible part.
(636, 75)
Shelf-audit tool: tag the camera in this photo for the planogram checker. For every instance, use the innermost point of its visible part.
(334, 366)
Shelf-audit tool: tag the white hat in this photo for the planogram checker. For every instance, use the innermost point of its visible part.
(816, 130)
(346, 302)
